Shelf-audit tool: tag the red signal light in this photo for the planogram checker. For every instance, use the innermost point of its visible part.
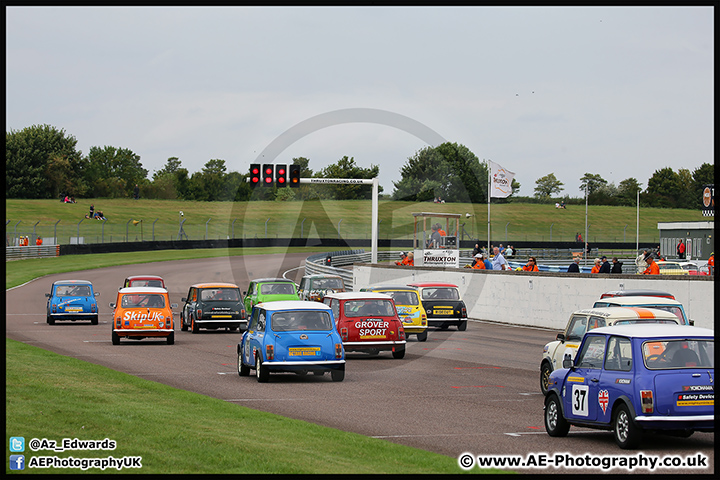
(254, 174)
(281, 174)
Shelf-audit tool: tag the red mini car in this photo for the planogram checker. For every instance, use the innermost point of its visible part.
(367, 322)
(144, 281)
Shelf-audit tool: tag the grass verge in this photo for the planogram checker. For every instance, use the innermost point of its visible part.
(174, 431)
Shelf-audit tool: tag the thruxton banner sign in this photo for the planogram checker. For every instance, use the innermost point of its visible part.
(440, 258)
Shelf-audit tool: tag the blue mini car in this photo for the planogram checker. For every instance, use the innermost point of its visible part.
(633, 379)
(72, 300)
(291, 336)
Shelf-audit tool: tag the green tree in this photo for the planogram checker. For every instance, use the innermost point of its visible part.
(593, 183)
(113, 172)
(449, 171)
(627, 192)
(547, 186)
(347, 168)
(664, 189)
(28, 155)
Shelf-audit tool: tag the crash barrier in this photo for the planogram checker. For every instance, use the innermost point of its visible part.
(31, 251)
(542, 299)
(329, 263)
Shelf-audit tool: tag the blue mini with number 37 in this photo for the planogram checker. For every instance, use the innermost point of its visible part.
(633, 379)
(291, 336)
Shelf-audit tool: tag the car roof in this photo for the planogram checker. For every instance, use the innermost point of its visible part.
(359, 296)
(639, 300)
(72, 282)
(431, 284)
(321, 275)
(613, 314)
(144, 277)
(293, 305)
(274, 280)
(214, 285)
(391, 287)
(657, 331)
(637, 292)
(142, 290)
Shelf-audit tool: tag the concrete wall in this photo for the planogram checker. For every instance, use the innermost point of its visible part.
(542, 299)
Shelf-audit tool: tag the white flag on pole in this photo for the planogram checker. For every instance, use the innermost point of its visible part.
(500, 181)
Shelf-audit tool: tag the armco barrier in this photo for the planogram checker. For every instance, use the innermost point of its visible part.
(31, 251)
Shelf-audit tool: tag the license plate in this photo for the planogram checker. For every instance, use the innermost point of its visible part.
(221, 316)
(442, 312)
(74, 309)
(304, 351)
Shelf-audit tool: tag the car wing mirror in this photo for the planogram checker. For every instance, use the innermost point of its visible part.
(97, 294)
(691, 322)
(48, 295)
(561, 337)
(173, 305)
(111, 305)
(183, 299)
(567, 361)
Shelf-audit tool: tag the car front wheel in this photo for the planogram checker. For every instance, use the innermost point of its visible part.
(195, 327)
(555, 423)
(183, 325)
(545, 372)
(627, 434)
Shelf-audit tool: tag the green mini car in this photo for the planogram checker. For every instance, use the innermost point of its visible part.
(269, 290)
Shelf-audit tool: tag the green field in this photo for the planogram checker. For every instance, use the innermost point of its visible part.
(349, 219)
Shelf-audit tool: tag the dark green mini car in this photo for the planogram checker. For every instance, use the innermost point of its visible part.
(269, 290)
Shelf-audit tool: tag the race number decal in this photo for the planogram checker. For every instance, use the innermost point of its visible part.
(580, 400)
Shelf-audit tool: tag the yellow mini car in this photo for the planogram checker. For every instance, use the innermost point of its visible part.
(409, 308)
(143, 312)
(671, 268)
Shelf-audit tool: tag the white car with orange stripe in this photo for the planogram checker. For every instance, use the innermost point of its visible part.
(582, 321)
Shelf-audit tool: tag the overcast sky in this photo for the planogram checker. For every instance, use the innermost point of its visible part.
(619, 92)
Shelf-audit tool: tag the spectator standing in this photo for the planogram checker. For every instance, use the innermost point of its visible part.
(136, 192)
(596, 267)
(652, 266)
(476, 249)
(681, 250)
(508, 251)
(478, 263)
(711, 263)
(575, 266)
(498, 261)
(605, 265)
(616, 266)
(403, 256)
(488, 263)
(410, 259)
(38, 241)
(640, 262)
(531, 265)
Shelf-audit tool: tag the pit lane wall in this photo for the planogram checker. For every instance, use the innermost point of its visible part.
(542, 299)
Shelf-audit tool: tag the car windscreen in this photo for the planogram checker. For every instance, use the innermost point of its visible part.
(679, 353)
(289, 321)
(146, 283)
(404, 298)
(220, 295)
(72, 291)
(440, 293)
(149, 300)
(277, 289)
(369, 308)
(327, 284)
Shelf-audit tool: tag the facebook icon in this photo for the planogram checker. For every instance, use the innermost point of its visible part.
(17, 462)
